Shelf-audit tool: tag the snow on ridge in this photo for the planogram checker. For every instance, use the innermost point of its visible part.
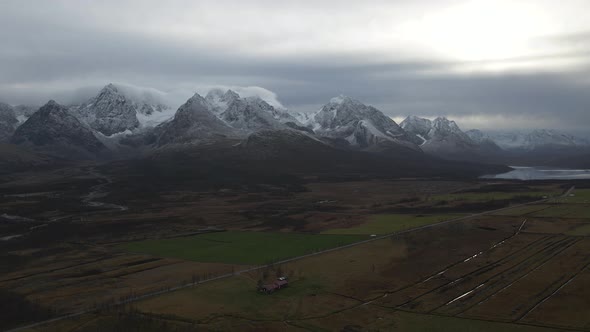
(339, 99)
(156, 118)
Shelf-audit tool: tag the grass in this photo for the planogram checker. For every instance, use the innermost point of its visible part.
(491, 196)
(522, 210)
(389, 223)
(580, 211)
(251, 248)
(583, 230)
(383, 320)
(580, 196)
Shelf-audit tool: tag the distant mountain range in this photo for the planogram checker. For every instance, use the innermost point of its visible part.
(115, 124)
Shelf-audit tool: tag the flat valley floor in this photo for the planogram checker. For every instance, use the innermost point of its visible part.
(406, 255)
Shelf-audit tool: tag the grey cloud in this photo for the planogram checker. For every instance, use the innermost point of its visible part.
(47, 56)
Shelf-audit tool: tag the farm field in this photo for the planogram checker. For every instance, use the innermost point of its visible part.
(82, 281)
(241, 247)
(491, 196)
(428, 279)
(581, 195)
(511, 279)
(390, 223)
(521, 211)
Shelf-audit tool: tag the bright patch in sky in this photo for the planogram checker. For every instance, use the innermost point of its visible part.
(481, 30)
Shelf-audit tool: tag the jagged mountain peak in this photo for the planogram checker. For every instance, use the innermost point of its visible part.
(477, 135)
(251, 113)
(196, 98)
(256, 100)
(417, 126)
(51, 104)
(231, 94)
(360, 125)
(341, 111)
(110, 112)
(194, 121)
(54, 126)
(193, 108)
(535, 139)
(220, 94)
(110, 87)
(54, 109)
(443, 127)
(342, 99)
(346, 102)
(110, 91)
(121, 109)
(8, 121)
(444, 123)
(220, 99)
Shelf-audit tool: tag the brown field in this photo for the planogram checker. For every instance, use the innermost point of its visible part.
(478, 276)
(83, 280)
(486, 273)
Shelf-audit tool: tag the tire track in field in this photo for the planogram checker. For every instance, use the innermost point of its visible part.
(556, 290)
(439, 274)
(469, 276)
(491, 285)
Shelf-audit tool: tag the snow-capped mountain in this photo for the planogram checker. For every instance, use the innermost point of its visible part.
(443, 138)
(417, 126)
(23, 112)
(220, 100)
(112, 111)
(53, 128)
(224, 114)
(8, 121)
(477, 136)
(536, 139)
(250, 113)
(441, 133)
(254, 114)
(129, 123)
(445, 131)
(194, 121)
(360, 125)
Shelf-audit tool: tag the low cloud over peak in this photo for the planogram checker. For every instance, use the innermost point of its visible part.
(443, 57)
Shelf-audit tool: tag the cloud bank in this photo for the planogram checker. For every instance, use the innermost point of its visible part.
(496, 63)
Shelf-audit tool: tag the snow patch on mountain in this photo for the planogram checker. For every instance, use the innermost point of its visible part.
(418, 126)
(194, 121)
(535, 139)
(220, 99)
(117, 109)
(357, 123)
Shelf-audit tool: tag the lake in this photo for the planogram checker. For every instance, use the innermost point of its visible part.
(541, 173)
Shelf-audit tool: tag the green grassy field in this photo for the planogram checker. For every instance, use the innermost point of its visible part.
(580, 196)
(240, 247)
(388, 223)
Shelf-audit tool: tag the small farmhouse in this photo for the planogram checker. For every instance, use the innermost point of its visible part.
(280, 283)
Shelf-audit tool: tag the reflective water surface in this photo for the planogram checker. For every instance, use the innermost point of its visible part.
(542, 173)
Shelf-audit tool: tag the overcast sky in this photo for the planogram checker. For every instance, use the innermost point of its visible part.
(522, 63)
